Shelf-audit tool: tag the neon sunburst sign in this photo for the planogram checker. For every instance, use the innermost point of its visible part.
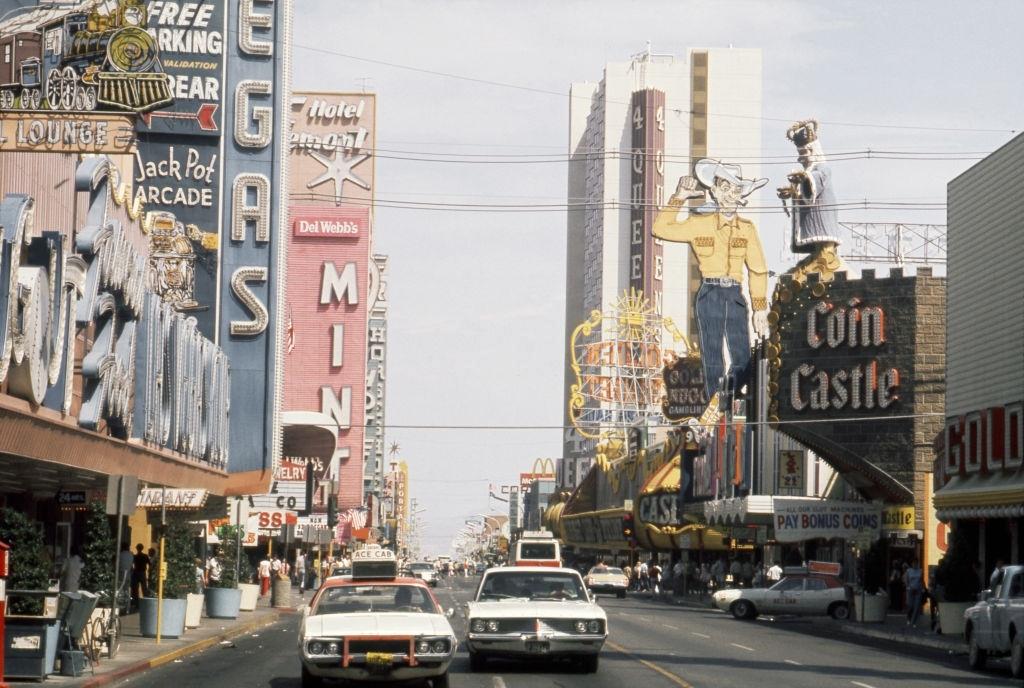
(617, 360)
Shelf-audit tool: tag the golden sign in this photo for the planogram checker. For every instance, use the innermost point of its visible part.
(66, 133)
(898, 518)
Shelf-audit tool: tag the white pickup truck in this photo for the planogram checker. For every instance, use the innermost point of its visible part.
(995, 626)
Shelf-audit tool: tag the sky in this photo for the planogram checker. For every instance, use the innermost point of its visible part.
(476, 322)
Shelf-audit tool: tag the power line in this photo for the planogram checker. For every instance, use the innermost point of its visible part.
(560, 94)
(583, 206)
(808, 421)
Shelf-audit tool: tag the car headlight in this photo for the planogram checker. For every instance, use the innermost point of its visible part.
(492, 626)
(316, 648)
(478, 626)
(439, 647)
(333, 648)
(422, 647)
(594, 626)
(324, 648)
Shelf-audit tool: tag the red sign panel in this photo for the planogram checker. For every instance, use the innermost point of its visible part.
(332, 223)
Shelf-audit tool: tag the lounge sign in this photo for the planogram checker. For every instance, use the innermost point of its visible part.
(66, 133)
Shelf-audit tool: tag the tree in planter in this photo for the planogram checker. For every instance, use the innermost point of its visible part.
(179, 554)
(29, 565)
(955, 574)
(229, 556)
(98, 565)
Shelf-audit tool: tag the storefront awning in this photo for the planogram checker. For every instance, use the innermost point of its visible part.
(981, 496)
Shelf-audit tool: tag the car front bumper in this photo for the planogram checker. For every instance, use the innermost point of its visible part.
(355, 671)
(607, 587)
(533, 645)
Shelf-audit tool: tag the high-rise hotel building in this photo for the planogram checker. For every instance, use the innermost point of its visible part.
(632, 135)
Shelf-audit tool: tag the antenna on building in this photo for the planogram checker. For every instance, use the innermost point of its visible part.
(363, 80)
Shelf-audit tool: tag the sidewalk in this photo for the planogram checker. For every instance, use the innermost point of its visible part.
(893, 629)
(138, 654)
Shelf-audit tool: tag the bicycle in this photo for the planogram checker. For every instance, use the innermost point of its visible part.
(103, 635)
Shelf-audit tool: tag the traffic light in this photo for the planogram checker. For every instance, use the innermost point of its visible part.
(628, 534)
(332, 511)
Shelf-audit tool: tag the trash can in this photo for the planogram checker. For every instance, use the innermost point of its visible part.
(30, 647)
(281, 593)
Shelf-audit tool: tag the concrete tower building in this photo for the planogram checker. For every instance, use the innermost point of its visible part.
(631, 136)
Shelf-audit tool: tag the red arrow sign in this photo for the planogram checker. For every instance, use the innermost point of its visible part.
(204, 116)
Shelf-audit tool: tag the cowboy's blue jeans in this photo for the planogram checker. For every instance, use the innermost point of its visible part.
(722, 320)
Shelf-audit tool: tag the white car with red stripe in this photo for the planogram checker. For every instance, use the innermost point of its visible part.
(375, 627)
(535, 612)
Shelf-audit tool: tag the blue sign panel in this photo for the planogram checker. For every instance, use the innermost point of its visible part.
(253, 242)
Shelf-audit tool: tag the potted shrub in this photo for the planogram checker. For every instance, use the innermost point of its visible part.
(179, 556)
(223, 597)
(956, 583)
(30, 569)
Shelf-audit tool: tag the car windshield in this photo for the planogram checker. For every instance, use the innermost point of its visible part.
(374, 598)
(421, 567)
(605, 570)
(532, 585)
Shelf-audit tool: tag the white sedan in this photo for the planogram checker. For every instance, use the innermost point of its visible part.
(375, 630)
(532, 612)
(795, 594)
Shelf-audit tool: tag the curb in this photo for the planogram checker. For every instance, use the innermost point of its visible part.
(198, 646)
(907, 639)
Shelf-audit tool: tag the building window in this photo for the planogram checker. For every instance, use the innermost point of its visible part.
(700, 83)
(700, 59)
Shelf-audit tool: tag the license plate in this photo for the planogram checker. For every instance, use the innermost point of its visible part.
(537, 648)
(380, 658)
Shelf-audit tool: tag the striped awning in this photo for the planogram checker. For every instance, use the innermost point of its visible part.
(994, 495)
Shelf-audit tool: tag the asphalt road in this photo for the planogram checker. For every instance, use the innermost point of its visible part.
(652, 644)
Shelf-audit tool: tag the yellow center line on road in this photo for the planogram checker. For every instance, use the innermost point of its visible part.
(675, 678)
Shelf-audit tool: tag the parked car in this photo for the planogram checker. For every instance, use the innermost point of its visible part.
(424, 571)
(531, 612)
(799, 593)
(480, 568)
(609, 579)
(995, 626)
(373, 626)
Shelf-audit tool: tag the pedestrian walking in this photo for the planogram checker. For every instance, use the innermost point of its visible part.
(655, 576)
(140, 571)
(774, 574)
(213, 570)
(264, 571)
(71, 572)
(300, 571)
(643, 577)
(913, 579)
(201, 581)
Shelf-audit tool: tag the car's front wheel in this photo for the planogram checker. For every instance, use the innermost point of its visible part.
(477, 662)
(309, 680)
(589, 664)
(975, 655)
(840, 611)
(742, 609)
(1017, 656)
(620, 594)
(440, 681)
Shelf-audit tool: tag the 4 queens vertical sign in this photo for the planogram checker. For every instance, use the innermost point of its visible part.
(252, 275)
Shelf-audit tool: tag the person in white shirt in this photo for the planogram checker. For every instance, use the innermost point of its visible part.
(264, 570)
(71, 572)
(774, 574)
(300, 571)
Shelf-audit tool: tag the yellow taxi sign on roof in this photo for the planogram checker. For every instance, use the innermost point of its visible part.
(374, 563)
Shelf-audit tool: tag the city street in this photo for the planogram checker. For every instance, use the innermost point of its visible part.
(651, 644)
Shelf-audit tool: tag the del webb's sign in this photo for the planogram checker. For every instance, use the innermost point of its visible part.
(332, 223)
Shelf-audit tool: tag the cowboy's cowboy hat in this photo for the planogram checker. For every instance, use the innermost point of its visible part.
(707, 170)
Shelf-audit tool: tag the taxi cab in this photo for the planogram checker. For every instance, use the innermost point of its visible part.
(374, 626)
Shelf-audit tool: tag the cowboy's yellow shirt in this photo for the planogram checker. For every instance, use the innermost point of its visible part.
(722, 246)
